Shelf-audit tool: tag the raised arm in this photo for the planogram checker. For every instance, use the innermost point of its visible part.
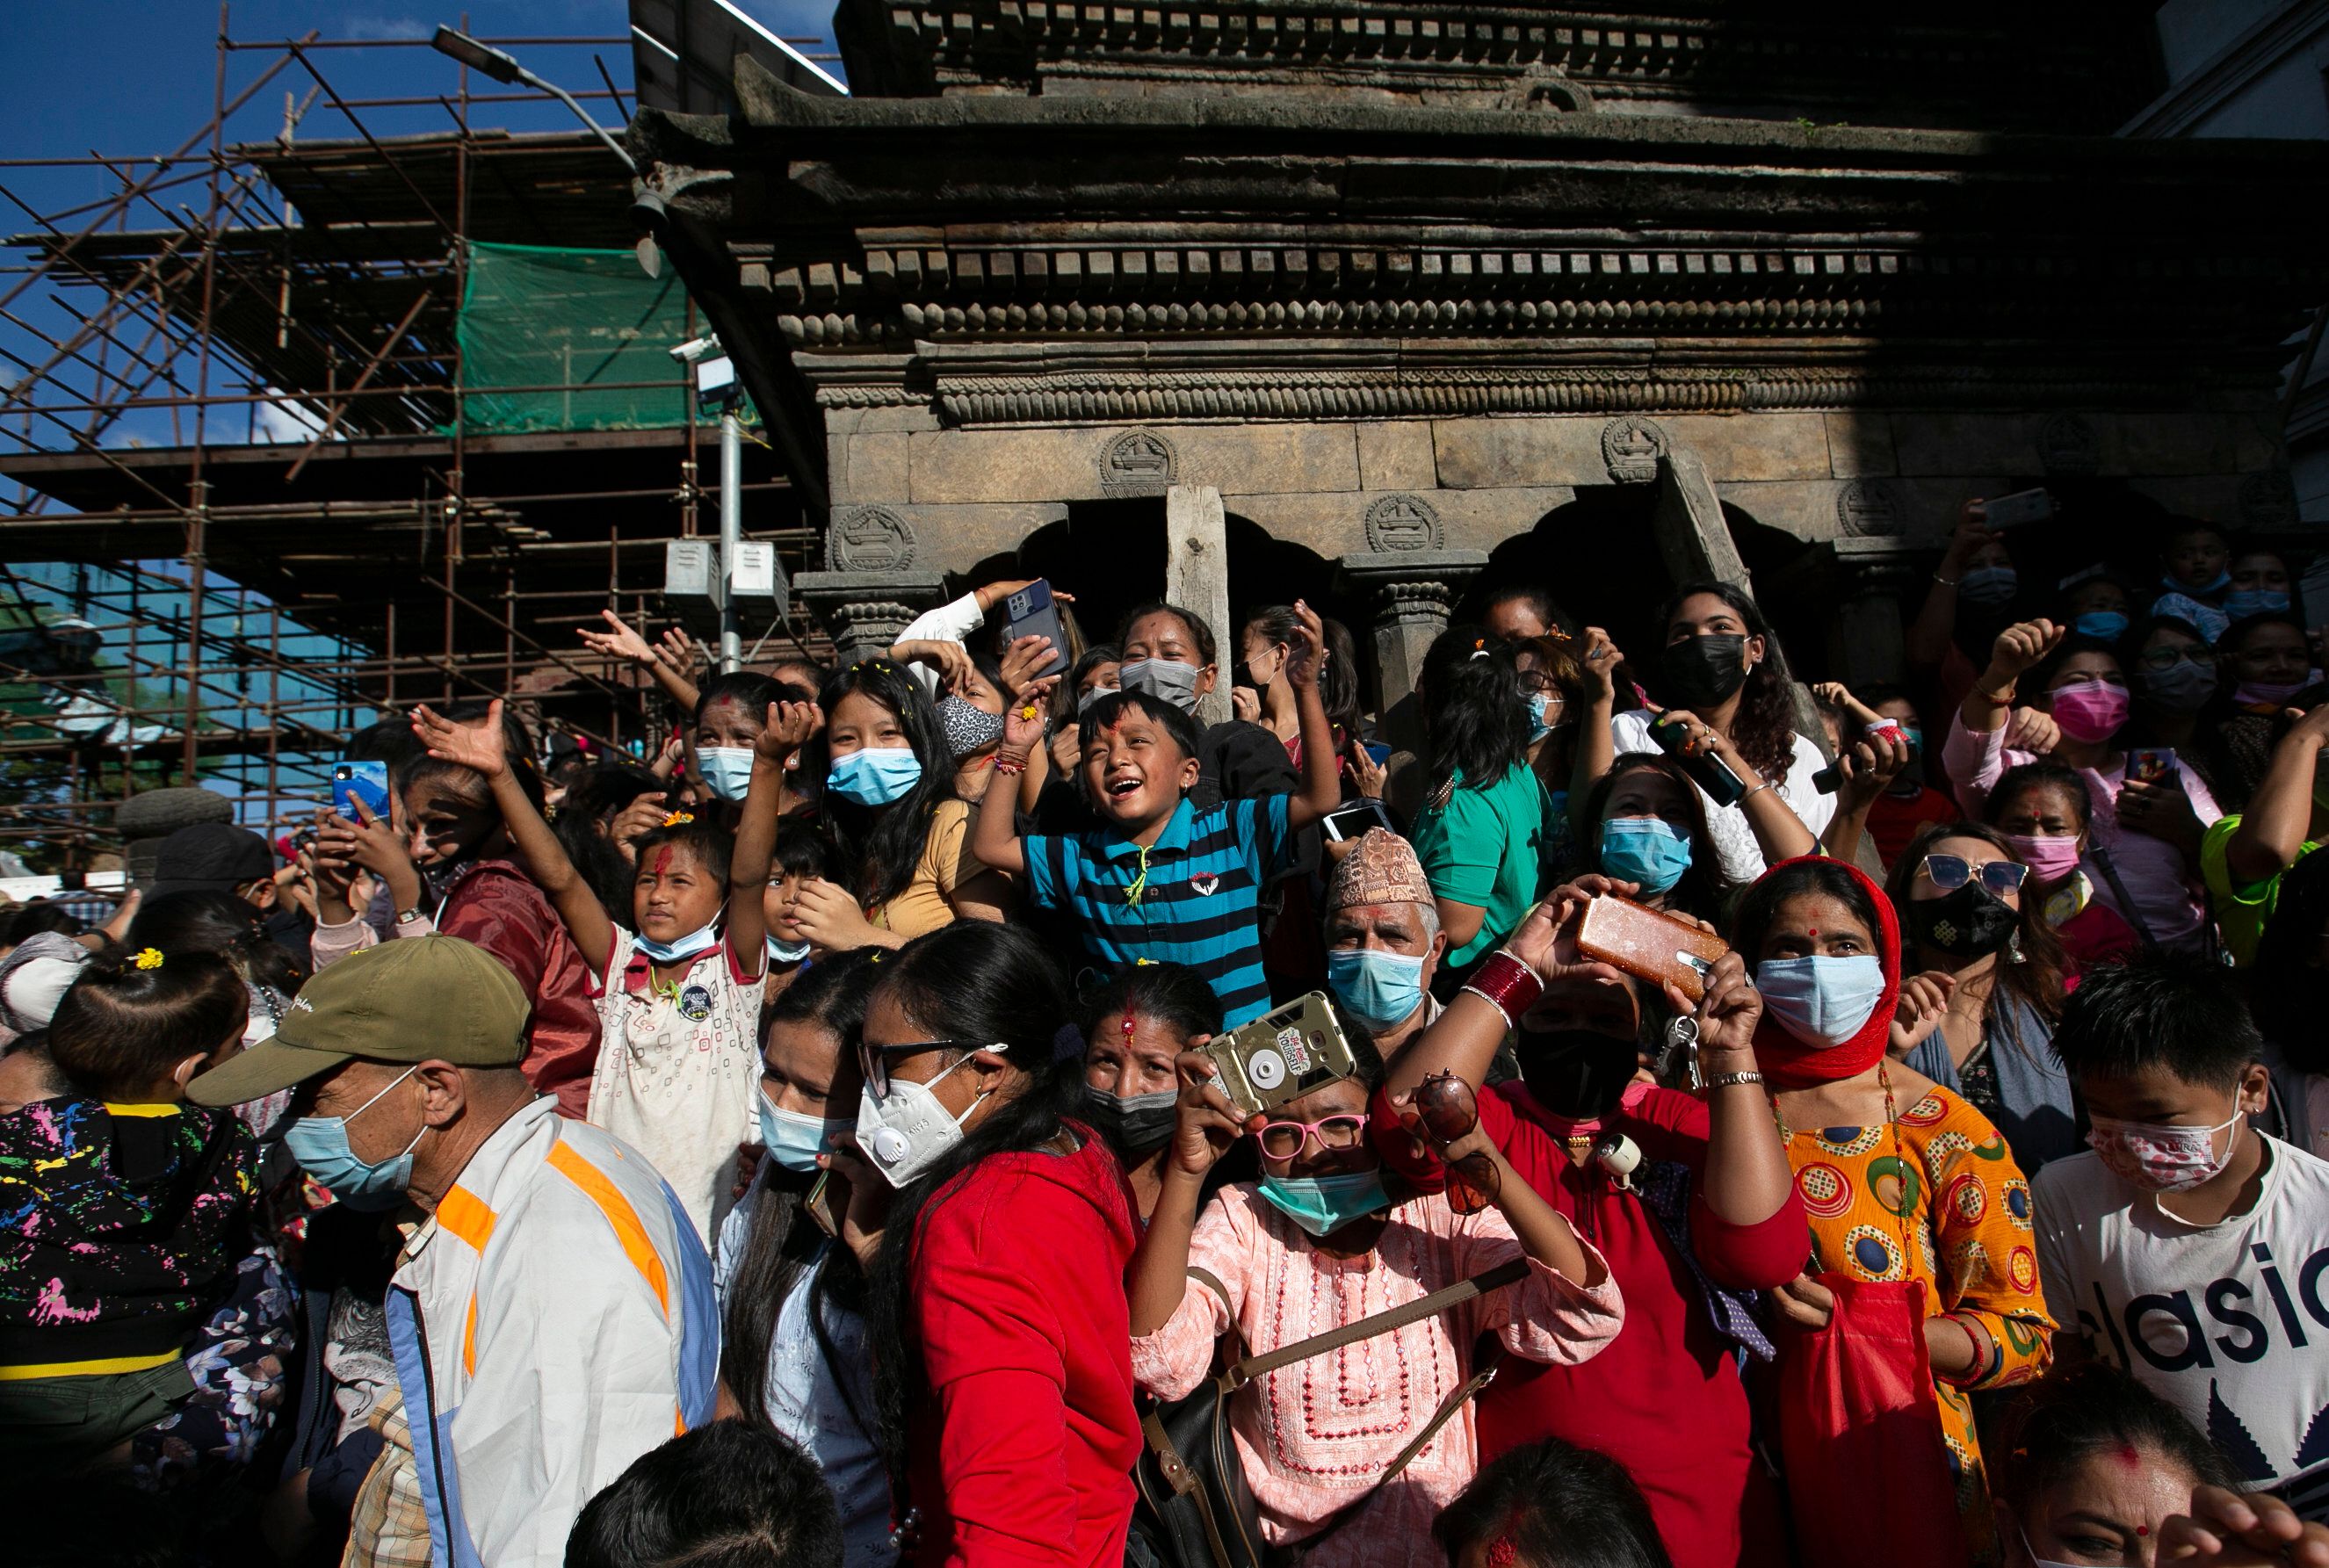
(1747, 1177)
(2273, 829)
(1596, 745)
(1868, 768)
(790, 726)
(621, 640)
(480, 749)
(1450, 1124)
(1206, 1126)
(2017, 649)
(1928, 639)
(1322, 784)
(994, 834)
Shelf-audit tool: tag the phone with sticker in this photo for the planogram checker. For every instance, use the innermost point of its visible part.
(2151, 765)
(1282, 1055)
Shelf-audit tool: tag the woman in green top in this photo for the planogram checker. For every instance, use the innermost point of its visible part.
(1480, 833)
(2243, 857)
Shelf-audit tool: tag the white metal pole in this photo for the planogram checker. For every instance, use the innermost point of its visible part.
(731, 533)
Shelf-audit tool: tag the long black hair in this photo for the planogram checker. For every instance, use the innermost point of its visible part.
(876, 848)
(974, 980)
(829, 996)
(1472, 711)
(1764, 729)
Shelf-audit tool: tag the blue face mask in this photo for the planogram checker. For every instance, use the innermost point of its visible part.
(695, 945)
(727, 769)
(1538, 728)
(2108, 626)
(783, 955)
(2242, 603)
(875, 776)
(320, 1145)
(1822, 1001)
(1381, 987)
(1322, 1205)
(792, 1140)
(1986, 587)
(1644, 849)
(2177, 584)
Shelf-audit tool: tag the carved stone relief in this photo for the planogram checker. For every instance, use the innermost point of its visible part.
(1631, 447)
(1138, 463)
(1403, 523)
(2068, 446)
(871, 539)
(1868, 509)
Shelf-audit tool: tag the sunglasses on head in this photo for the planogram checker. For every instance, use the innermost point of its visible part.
(1951, 872)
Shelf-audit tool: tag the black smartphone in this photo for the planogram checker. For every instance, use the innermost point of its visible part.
(1032, 612)
(1710, 773)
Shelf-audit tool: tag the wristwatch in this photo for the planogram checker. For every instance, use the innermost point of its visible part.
(407, 917)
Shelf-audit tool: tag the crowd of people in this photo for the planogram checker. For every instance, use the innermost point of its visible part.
(1730, 1121)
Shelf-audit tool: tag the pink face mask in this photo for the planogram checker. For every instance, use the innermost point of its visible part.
(2089, 711)
(2049, 859)
(2159, 1157)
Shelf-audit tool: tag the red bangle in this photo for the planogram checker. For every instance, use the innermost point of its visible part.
(1507, 985)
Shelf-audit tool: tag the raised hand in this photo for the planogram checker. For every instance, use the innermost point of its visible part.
(617, 641)
(1022, 662)
(479, 747)
(2021, 645)
(1023, 719)
(1727, 1014)
(1245, 704)
(830, 918)
(1924, 1003)
(1600, 658)
(790, 726)
(1972, 533)
(1206, 1125)
(677, 649)
(2228, 1529)
(1066, 746)
(1365, 771)
(1305, 656)
(2030, 730)
(1446, 1114)
(950, 659)
(635, 821)
(1870, 766)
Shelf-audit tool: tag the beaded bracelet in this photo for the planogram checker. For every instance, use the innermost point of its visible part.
(1507, 984)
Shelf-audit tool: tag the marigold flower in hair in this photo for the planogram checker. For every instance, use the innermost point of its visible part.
(678, 818)
(148, 958)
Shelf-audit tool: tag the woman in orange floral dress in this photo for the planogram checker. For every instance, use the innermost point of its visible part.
(1906, 1183)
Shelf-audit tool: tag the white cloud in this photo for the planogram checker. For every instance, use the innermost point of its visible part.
(385, 27)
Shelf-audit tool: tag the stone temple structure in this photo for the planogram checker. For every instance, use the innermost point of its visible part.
(1420, 296)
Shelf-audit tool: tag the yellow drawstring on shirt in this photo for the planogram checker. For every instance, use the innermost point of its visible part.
(1140, 883)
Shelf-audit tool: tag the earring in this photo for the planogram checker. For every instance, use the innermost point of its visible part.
(2014, 953)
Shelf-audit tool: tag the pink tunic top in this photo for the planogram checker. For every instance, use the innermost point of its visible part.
(2166, 894)
(1315, 1437)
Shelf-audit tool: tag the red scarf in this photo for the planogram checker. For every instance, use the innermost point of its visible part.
(1789, 1064)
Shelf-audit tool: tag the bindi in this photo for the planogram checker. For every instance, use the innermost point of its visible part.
(663, 859)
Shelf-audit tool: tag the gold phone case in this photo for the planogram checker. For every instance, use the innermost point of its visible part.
(1282, 1055)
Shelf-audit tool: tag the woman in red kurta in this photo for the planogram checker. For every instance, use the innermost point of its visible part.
(995, 1306)
(1708, 1214)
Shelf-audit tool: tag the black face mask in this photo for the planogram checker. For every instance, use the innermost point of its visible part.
(1967, 922)
(1138, 1125)
(1703, 672)
(1576, 1073)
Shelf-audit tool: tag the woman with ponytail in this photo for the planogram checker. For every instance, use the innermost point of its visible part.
(1923, 1281)
(995, 1305)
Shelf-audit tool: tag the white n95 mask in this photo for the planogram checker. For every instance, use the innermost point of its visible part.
(907, 1131)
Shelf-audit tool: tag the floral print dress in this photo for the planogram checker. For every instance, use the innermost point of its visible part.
(1936, 1196)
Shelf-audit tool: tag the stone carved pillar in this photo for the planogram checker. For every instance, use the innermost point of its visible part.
(866, 612)
(1867, 637)
(1411, 594)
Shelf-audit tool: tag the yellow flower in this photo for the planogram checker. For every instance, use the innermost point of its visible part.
(678, 818)
(148, 958)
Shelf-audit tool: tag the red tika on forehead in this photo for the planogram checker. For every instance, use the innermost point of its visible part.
(663, 858)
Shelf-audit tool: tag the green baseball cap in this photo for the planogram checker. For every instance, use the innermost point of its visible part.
(424, 998)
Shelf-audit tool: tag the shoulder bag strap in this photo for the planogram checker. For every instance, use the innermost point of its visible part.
(1429, 1306)
(2126, 905)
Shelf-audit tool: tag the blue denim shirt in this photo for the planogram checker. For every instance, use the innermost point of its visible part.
(806, 1398)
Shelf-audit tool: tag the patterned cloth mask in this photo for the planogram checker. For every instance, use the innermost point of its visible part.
(968, 727)
(2161, 1156)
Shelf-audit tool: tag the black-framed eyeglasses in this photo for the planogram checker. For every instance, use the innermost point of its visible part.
(875, 1059)
(1951, 872)
(2166, 656)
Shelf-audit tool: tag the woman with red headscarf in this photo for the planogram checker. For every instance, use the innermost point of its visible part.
(1923, 1279)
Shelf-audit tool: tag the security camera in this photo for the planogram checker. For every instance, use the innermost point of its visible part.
(694, 349)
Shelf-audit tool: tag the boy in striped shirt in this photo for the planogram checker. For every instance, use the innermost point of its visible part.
(1161, 879)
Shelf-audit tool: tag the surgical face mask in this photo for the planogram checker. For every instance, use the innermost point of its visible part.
(2242, 603)
(875, 776)
(2159, 1157)
(695, 945)
(1967, 922)
(1322, 1205)
(1132, 1124)
(2266, 693)
(1823, 1002)
(2090, 711)
(1092, 694)
(792, 1140)
(2106, 626)
(2177, 584)
(727, 769)
(908, 1131)
(1704, 671)
(2049, 860)
(968, 727)
(2033, 1554)
(1579, 1073)
(1988, 586)
(1381, 987)
(1647, 850)
(1539, 701)
(1169, 678)
(320, 1145)
(784, 954)
(2183, 686)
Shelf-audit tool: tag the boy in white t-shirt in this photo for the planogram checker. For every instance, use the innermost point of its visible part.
(2187, 1247)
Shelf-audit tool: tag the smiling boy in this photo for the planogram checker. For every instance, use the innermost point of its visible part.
(2188, 1247)
(1161, 878)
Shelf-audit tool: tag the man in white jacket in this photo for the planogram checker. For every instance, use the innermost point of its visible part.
(552, 1319)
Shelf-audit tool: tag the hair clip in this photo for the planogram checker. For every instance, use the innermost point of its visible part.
(678, 818)
(1558, 636)
(148, 958)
